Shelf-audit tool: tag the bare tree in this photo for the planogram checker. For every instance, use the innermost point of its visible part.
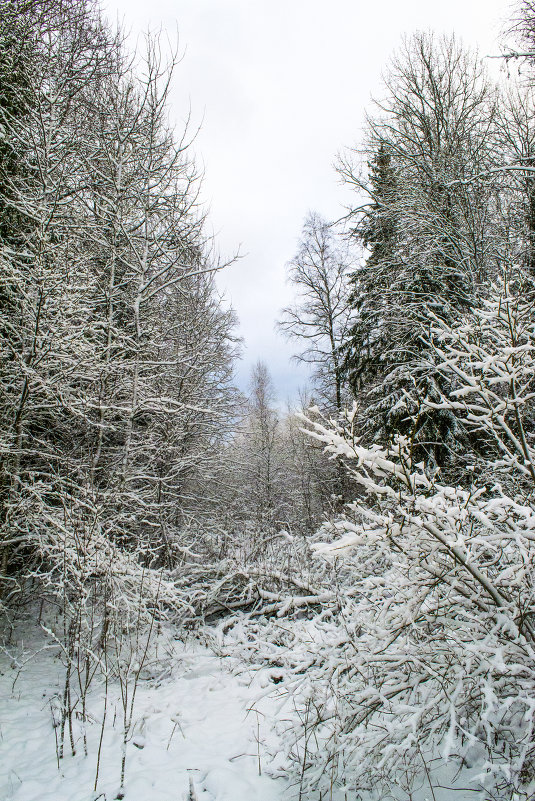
(263, 445)
(318, 320)
(515, 146)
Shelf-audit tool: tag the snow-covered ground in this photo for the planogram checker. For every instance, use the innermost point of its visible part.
(201, 732)
(205, 728)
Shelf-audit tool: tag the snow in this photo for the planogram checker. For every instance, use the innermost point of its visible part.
(201, 727)
(207, 726)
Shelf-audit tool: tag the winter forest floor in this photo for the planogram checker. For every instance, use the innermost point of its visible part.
(205, 727)
(198, 723)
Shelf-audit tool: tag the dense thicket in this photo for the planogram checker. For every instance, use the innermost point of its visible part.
(116, 353)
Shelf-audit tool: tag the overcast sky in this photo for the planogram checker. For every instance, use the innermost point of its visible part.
(279, 87)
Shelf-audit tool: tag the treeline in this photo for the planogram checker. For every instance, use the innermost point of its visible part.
(131, 466)
(116, 351)
(444, 207)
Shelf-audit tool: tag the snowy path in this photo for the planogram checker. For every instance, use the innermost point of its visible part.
(198, 725)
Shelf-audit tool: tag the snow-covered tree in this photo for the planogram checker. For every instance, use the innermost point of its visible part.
(425, 218)
(319, 317)
(117, 352)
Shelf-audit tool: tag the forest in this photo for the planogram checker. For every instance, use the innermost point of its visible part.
(362, 564)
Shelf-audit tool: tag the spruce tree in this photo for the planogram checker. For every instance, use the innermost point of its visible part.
(427, 227)
(367, 337)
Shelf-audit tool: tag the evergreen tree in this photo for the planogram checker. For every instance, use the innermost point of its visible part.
(364, 348)
(427, 226)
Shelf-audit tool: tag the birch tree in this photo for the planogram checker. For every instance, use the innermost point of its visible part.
(318, 320)
(118, 368)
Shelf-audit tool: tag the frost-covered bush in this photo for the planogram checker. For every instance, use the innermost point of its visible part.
(424, 670)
